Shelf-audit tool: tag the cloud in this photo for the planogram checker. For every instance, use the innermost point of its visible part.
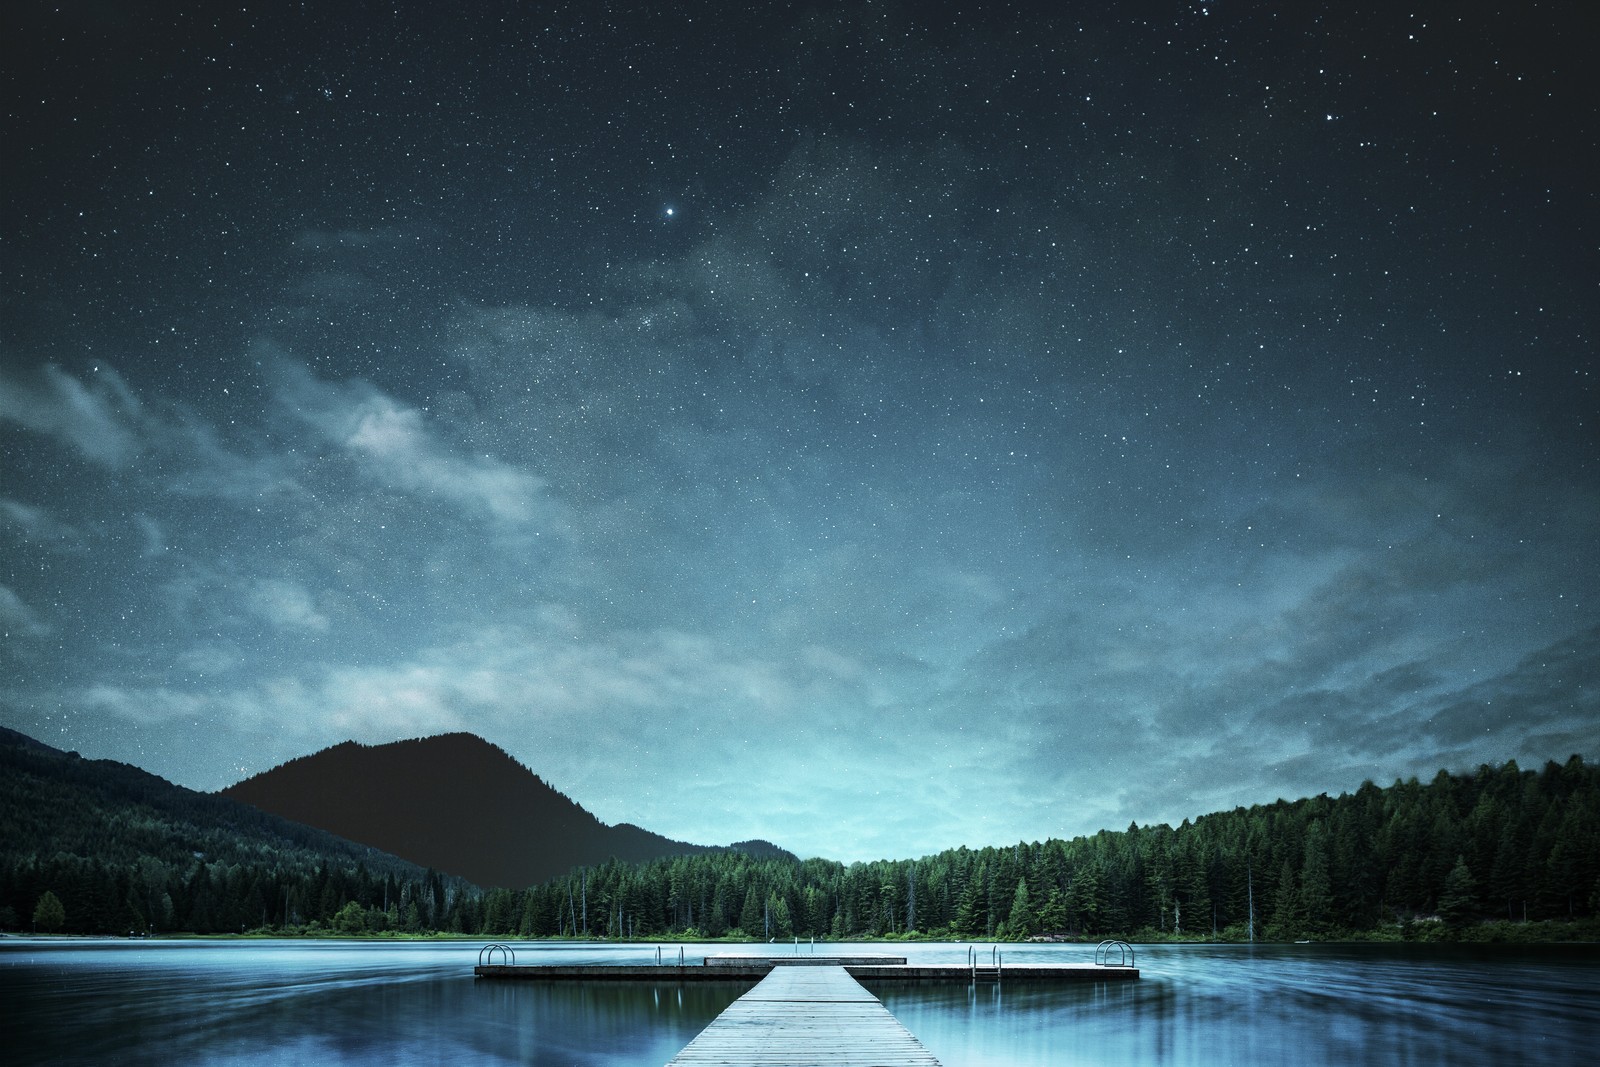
(1335, 650)
(152, 538)
(38, 524)
(249, 470)
(100, 419)
(17, 618)
(144, 705)
(1549, 694)
(284, 604)
(378, 702)
(398, 447)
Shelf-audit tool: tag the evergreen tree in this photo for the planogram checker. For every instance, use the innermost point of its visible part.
(717, 924)
(1316, 887)
(1509, 882)
(1285, 922)
(1459, 895)
(1087, 904)
(782, 920)
(1020, 923)
(972, 913)
(1052, 917)
(750, 916)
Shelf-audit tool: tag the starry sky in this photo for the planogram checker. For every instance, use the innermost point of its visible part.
(873, 427)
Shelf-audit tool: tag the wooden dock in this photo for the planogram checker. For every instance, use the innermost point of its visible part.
(881, 968)
(804, 1016)
(754, 968)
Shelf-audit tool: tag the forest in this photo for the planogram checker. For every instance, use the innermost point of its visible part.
(1501, 843)
(99, 847)
(1500, 849)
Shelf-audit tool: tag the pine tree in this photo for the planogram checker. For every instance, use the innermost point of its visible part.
(972, 914)
(1052, 917)
(750, 915)
(1020, 923)
(1285, 921)
(1316, 889)
(1088, 904)
(1457, 898)
(782, 921)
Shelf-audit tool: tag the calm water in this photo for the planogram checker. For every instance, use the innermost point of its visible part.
(186, 1003)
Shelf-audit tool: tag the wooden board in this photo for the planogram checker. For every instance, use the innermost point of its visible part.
(804, 1017)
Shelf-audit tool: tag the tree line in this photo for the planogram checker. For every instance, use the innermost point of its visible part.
(1431, 859)
(86, 896)
(1498, 843)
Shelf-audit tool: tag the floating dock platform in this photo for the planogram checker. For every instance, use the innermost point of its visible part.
(723, 968)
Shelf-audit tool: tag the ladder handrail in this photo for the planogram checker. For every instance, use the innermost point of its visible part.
(507, 954)
(996, 967)
(1102, 953)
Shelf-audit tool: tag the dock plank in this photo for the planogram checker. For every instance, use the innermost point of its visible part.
(803, 1017)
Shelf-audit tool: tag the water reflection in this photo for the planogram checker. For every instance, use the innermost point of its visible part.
(292, 1003)
(1311, 1005)
(362, 1003)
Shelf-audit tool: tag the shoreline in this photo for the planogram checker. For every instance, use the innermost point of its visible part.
(1579, 933)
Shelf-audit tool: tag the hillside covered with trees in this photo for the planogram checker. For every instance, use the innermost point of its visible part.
(105, 847)
(1501, 843)
(92, 847)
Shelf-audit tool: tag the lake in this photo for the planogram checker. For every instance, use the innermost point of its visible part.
(396, 1003)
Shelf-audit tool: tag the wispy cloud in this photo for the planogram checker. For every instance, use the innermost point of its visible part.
(98, 417)
(284, 604)
(145, 705)
(398, 448)
(17, 618)
(38, 524)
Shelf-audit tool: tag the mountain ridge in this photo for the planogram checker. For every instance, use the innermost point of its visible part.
(58, 802)
(454, 802)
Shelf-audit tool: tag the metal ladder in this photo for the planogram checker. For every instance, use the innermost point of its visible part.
(981, 973)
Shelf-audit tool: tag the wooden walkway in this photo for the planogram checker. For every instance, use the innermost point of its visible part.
(806, 1017)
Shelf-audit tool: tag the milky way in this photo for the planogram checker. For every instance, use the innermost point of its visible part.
(875, 428)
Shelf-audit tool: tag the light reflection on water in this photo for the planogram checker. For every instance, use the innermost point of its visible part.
(1281, 1004)
(261, 1003)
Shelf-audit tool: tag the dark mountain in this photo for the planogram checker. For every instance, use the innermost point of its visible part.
(55, 803)
(454, 802)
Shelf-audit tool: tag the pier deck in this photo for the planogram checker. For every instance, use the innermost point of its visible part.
(801, 1016)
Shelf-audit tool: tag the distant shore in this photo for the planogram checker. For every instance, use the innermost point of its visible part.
(1424, 932)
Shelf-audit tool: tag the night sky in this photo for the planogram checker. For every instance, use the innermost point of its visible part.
(874, 427)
